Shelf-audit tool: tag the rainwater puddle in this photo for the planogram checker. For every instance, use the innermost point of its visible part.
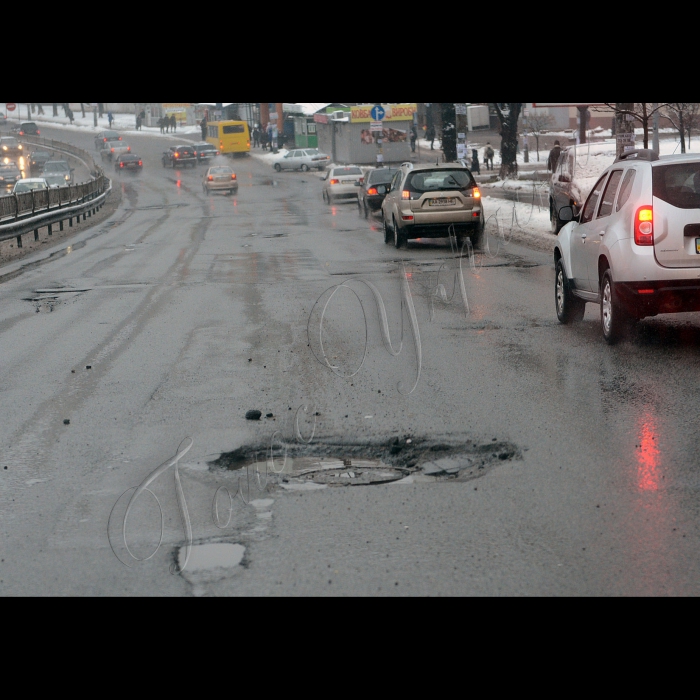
(210, 558)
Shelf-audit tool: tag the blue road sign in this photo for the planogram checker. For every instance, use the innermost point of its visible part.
(378, 113)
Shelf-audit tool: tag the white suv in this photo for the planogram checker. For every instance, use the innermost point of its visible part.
(635, 247)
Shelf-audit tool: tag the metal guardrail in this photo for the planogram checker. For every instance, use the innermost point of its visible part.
(29, 211)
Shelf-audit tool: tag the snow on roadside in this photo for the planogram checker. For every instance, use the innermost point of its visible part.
(506, 221)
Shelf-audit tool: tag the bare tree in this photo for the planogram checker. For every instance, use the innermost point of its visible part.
(509, 116)
(639, 111)
(538, 124)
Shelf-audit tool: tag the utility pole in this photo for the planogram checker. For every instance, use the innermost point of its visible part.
(624, 127)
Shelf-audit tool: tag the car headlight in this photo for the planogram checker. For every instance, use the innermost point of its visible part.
(2, 178)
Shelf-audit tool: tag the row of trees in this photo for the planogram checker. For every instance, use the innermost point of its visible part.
(684, 116)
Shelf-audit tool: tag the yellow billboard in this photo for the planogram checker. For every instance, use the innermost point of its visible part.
(393, 113)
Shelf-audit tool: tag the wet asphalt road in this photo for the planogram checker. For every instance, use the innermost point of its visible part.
(191, 310)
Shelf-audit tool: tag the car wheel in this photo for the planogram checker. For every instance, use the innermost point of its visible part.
(388, 235)
(555, 223)
(615, 321)
(278, 167)
(366, 210)
(305, 168)
(399, 237)
(359, 207)
(570, 309)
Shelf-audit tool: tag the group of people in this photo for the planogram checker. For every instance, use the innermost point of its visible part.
(265, 138)
(168, 124)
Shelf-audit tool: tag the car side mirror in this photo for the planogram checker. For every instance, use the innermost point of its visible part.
(566, 214)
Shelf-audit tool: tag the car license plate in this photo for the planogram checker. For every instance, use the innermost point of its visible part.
(697, 245)
(445, 202)
(349, 182)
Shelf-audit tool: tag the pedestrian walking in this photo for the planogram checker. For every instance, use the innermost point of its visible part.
(173, 123)
(554, 156)
(256, 137)
(431, 137)
(489, 155)
(271, 137)
(70, 115)
(414, 138)
(204, 126)
(138, 123)
(476, 166)
(263, 139)
(110, 119)
(161, 125)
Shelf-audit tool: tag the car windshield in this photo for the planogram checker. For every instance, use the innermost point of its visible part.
(206, 147)
(110, 135)
(383, 176)
(678, 185)
(129, 157)
(29, 186)
(441, 180)
(221, 171)
(342, 172)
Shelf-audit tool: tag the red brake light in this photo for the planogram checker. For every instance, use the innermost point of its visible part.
(372, 191)
(105, 140)
(140, 162)
(177, 155)
(406, 194)
(477, 193)
(129, 149)
(644, 226)
(211, 178)
(233, 177)
(38, 132)
(335, 182)
(112, 150)
(21, 133)
(646, 291)
(121, 165)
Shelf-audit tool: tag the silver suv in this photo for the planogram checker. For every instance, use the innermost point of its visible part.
(425, 201)
(635, 247)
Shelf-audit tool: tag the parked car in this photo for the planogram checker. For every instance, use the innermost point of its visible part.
(59, 167)
(302, 159)
(220, 178)
(105, 137)
(30, 185)
(9, 174)
(114, 149)
(179, 156)
(38, 160)
(578, 170)
(341, 183)
(26, 129)
(11, 147)
(635, 247)
(373, 190)
(128, 161)
(205, 152)
(426, 201)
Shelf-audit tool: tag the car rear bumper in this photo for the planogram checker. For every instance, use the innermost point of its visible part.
(644, 299)
(413, 231)
(344, 191)
(375, 203)
(231, 185)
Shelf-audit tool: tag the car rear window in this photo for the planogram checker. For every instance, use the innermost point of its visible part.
(678, 185)
(234, 129)
(221, 171)
(56, 167)
(440, 181)
(383, 176)
(347, 171)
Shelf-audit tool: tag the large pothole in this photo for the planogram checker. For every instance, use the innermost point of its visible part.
(339, 463)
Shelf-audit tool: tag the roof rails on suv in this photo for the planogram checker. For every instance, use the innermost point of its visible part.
(642, 154)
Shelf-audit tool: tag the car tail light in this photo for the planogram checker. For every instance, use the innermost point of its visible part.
(406, 194)
(105, 140)
(112, 150)
(141, 162)
(121, 165)
(177, 155)
(38, 132)
(372, 191)
(335, 182)
(248, 144)
(646, 291)
(128, 149)
(233, 177)
(211, 178)
(407, 218)
(477, 193)
(120, 138)
(644, 227)
(21, 133)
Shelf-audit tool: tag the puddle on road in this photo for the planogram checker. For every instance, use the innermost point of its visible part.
(337, 464)
(210, 557)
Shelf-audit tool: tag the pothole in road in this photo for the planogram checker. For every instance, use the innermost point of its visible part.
(339, 463)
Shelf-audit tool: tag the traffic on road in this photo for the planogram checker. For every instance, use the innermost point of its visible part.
(258, 373)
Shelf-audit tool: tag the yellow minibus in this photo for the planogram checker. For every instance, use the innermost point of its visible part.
(229, 137)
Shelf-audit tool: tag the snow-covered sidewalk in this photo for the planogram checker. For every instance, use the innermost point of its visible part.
(123, 123)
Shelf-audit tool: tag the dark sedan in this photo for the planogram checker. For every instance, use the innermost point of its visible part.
(38, 160)
(9, 175)
(205, 152)
(27, 129)
(128, 161)
(374, 189)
